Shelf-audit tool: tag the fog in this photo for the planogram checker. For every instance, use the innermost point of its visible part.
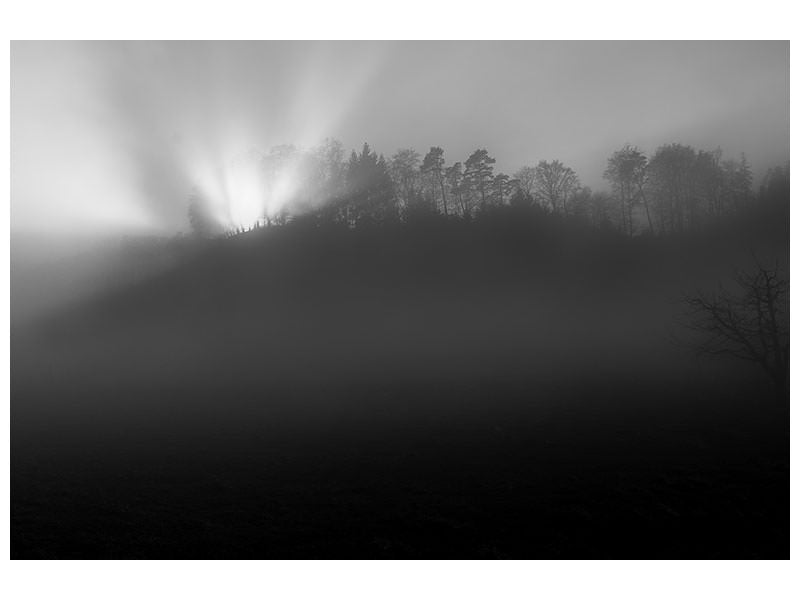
(400, 300)
(112, 137)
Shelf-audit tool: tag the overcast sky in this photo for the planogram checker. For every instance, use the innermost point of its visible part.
(111, 135)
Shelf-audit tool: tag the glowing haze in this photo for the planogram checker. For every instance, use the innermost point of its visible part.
(114, 136)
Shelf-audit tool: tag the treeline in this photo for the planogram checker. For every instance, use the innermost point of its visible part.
(677, 189)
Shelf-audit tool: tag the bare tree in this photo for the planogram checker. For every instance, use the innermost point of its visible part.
(752, 324)
(526, 178)
(554, 184)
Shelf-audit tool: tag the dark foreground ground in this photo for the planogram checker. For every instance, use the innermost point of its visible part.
(363, 404)
(535, 482)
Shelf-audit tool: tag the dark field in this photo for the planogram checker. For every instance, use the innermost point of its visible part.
(483, 483)
(468, 391)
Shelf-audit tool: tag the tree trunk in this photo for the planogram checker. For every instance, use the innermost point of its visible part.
(646, 209)
(444, 196)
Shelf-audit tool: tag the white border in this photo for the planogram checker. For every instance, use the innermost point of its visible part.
(413, 19)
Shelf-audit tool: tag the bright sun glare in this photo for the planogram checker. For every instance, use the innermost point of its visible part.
(245, 195)
(252, 196)
(241, 194)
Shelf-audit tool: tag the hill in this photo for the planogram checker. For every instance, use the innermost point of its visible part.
(509, 386)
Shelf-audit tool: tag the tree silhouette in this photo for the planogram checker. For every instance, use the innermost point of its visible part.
(502, 187)
(737, 182)
(433, 167)
(330, 158)
(672, 186)
(404, 169)
(478, 173)
(455, 181)
(526, 184)
(554, 184)
(708, 181)
(775, 185)
(679, 188)
(370, 190)
(752, 324)
(627, 172)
